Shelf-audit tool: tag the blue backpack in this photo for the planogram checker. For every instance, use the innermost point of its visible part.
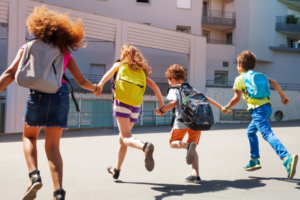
(195, 110)
(257, 85)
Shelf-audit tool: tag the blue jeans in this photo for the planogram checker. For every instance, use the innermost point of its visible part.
(260, 117)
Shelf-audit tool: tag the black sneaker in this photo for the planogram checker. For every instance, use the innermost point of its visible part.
(190, 155)
(193, 179)
(36, 184)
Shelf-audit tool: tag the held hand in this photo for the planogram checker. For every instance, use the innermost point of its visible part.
(224, 110)
(285, 100)
(97, 91)
(157, 111)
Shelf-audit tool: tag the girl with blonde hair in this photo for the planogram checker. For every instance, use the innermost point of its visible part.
(125, 110)
(49, 110)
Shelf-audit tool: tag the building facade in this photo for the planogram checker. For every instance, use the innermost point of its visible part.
(204, 36)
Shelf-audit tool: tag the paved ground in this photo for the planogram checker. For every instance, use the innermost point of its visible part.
(223, 152)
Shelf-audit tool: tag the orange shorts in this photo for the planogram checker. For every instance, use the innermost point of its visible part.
(178, 134)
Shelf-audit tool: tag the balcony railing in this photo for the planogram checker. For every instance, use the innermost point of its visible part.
(229, 84)
(289, 24)
(213, 41)
(221, 18)
(287, 47)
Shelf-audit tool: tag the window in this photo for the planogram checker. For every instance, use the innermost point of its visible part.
(184, 29)
(97, 69)
(293, 43)
(143, 1)
(149, 117)
(237, 115)
(221, 77)
(186, 80)
(184, 4)
(278, 116)
(229, 38)
(225, 64)
(206, 34)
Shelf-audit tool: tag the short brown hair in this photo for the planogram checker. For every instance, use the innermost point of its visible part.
(247, 59)
(176, 72)
(53, 27)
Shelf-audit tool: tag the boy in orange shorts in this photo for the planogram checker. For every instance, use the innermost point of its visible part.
(176, 75)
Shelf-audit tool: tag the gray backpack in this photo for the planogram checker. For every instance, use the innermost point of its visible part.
(41, 67)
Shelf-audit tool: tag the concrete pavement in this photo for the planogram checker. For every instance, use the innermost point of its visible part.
(223, 152)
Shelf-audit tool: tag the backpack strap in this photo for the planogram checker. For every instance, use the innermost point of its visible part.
(173, 110)
(72, 93)
(113, 82)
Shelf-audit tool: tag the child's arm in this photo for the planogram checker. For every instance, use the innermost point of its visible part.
(80, 79)
(165, 109)
(217, 105)
(108, 75)
(284, 99)
(234, 100)
(9, 75)
(157, 92)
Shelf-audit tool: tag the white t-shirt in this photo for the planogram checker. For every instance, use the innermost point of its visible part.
(174, 96)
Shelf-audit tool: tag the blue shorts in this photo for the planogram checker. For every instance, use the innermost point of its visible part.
(48, 110)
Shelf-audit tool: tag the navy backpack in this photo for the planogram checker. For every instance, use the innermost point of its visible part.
(194, 107)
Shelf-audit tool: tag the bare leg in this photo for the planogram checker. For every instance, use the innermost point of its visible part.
(30, 135)
(122, 150)
(53, 154)
(195, 166)
(124, 125)
(179, 145)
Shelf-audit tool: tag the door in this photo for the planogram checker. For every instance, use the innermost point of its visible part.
(149, 117)
(205, 8)
(2, 115)
(229, 38)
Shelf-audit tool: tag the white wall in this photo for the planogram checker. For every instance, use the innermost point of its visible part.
(163, 13)
(216, 55)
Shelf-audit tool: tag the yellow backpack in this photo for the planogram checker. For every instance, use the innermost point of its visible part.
(130, 85)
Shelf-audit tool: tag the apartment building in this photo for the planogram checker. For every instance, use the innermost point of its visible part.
(222, 29)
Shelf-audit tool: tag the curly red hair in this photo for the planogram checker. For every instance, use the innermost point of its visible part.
(135, 59)
(53, 27)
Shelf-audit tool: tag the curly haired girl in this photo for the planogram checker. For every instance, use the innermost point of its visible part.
(127, 115)
(49, 110)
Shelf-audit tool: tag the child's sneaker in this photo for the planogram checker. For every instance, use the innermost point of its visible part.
(253, 165)
(290, 164)
(190, 155)
(193, 179)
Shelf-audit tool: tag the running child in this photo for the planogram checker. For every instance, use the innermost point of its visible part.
(176, 76)
(49, 110)
(129, 87)
(260, 110)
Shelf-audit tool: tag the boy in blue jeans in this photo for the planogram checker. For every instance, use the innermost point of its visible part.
(260, 110)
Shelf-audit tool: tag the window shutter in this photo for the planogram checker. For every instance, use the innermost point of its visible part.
(4, 12)
(184, 4)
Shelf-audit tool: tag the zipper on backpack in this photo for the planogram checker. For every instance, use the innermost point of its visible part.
(132, 83)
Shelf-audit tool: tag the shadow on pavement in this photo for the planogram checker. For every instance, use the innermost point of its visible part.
(297, 181)
(168, 190)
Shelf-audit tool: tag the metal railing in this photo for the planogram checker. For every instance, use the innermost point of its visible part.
(291, 46)
(287, 20)
(229, 84)
(106, 119)
(161, 82)
(289, 24)
(215, 17)
(213, 41)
